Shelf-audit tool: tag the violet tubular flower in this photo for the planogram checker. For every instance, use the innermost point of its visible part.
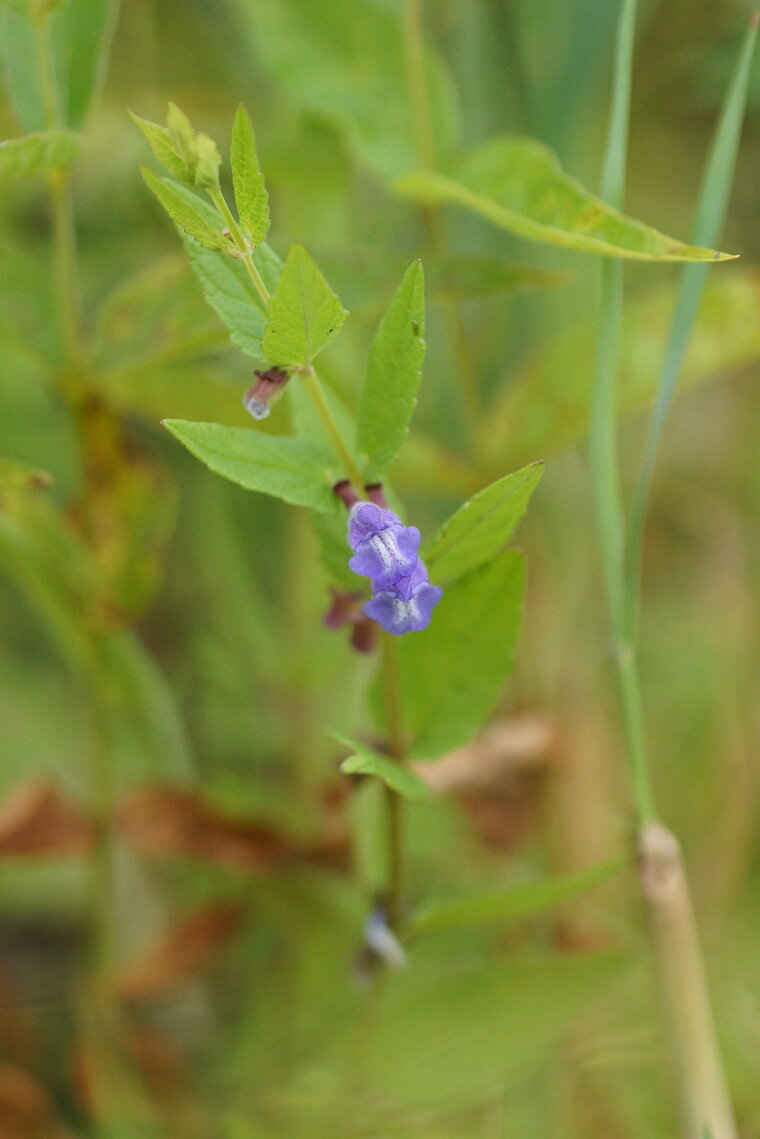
(407, 605)
(385, 549)
(386, 552)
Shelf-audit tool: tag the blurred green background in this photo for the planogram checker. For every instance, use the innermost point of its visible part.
(233, 908)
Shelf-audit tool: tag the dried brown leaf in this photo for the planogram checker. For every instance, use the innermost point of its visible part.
(26, 1109)
(505, 750)
(185, 952)
(36, 819)
(170, 822)
(497, 778)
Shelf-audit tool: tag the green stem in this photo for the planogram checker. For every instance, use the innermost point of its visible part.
(394, 802)
(633, 721)
(603, 444)
(711, 210)
(246, 253)
(694, 1056)
(603, 437)
(322, 408)
(610, 523)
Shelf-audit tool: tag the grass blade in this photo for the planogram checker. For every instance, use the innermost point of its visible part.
(711, 210)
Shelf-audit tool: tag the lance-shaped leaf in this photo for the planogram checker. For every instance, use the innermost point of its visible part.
(518, 185)
(290, 469)
(389, 393)
(482, 527)
(453, 671)
(304, 313)
(86, 31)
(230, 292)
(183, 208)
(35, 153)
(510, 903)
(251, 196)
(364, 760)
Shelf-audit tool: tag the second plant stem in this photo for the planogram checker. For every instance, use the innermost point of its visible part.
(394, 802)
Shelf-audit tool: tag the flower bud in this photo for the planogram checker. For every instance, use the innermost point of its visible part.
(268, 385)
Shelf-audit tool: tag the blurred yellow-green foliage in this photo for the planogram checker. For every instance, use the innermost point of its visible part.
(197, 732)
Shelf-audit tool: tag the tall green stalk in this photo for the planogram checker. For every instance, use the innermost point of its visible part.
(711, 210)
(694, 1056)
(604, 458)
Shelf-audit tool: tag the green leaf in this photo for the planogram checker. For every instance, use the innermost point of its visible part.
(38, 152)
(231, 294)
(290, 469)
(183, 210)
(304, 313)
(20, 71)
(162, 145)
(15, 475)
(84, 31)
(80, 33)
(182, 135)
(481, 527)
(227, 286)
(251, 198)
(526, 899)
(389, 393)
(209, 161)
(366, 761)
(518, 185)
(452, 673)
(454, 1044)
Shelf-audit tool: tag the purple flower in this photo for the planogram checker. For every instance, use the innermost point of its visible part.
(406, 605)
(384, 548)
(386, 552)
